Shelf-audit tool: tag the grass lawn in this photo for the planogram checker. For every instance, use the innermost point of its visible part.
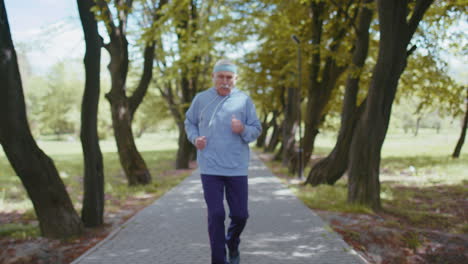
(157, 150)
(424, 195)
(18, 224)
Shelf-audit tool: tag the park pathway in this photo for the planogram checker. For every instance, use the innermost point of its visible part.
(173, 230)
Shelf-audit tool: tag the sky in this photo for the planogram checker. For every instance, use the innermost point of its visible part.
(30, 19)
(59, 19)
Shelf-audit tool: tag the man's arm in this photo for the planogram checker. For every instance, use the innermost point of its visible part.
(191, 121)
(252, 126)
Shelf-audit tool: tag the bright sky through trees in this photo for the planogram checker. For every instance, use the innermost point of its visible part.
(50, 30)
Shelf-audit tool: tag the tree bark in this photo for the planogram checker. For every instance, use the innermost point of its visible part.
(184, 152)
(186, 37)
(331, 169)
(322, 81)
(461, 140)
(275, 138)
(186, 149)
(262, 138)
(93, 200)
(122, 107)
(53, 207)
(364, 163)
(290, 124)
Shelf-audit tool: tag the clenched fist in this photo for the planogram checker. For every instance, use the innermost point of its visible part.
(236, 125)
(200, 142)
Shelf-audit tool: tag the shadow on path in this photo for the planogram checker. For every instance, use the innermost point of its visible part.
(173, 230)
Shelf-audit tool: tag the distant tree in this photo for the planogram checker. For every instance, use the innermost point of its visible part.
(461, 140)
(53, 207)
(58, 103)
(93, 200)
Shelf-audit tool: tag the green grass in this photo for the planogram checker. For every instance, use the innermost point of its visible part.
(330, 198)
(157, 150)
(419, 179)
(19, 231)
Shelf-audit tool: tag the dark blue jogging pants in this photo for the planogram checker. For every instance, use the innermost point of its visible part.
(236, 195)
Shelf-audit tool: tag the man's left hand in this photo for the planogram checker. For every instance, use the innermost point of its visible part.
(236, 125)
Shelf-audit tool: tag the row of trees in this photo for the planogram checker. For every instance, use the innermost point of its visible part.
(344, 45)
(381, 45)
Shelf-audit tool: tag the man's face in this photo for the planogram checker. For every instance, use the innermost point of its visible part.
(224, 81)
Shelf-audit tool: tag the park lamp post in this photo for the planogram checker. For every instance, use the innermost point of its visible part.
(299, 86)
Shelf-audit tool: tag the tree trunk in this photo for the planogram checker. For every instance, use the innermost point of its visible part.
(122, 107)
(146, 77)
(290, 124)
(53, 207)
(364, 163)
(93, 199)
(262, 138)
(132, 162)
(322, 81)
(184, 152)
(461, 140)
(331, 169)
(312, 116)
(186, 149)
(416, 129)
(275, 138)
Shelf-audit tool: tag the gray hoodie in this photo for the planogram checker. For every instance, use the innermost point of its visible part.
(226, 153)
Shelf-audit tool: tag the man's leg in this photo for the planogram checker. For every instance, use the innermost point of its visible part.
(213, 190)
(237, 198)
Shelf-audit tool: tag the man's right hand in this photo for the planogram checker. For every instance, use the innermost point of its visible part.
(200, 142)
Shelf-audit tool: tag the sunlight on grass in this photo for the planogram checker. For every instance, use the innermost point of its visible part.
(422, 164)
(19, 231)
(157, 150)
(325, 197)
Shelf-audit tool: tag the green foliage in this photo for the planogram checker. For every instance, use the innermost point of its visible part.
(426, 82)
(54, 102)
(19, 231)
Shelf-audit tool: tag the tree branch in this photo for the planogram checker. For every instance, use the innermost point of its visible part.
(345, 12)
(418, 13)
(107, 15)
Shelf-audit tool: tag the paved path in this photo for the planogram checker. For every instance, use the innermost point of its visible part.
(173, 230)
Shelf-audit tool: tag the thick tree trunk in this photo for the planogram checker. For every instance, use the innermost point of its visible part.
(416, 129)
(331, 169)
(122, 107)
(312, 116)
(53, 207)
(132, 162)
(364, 163)
(322, 81)
(93, 199)
(461, 140)
(188, 24)
(185, 151)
